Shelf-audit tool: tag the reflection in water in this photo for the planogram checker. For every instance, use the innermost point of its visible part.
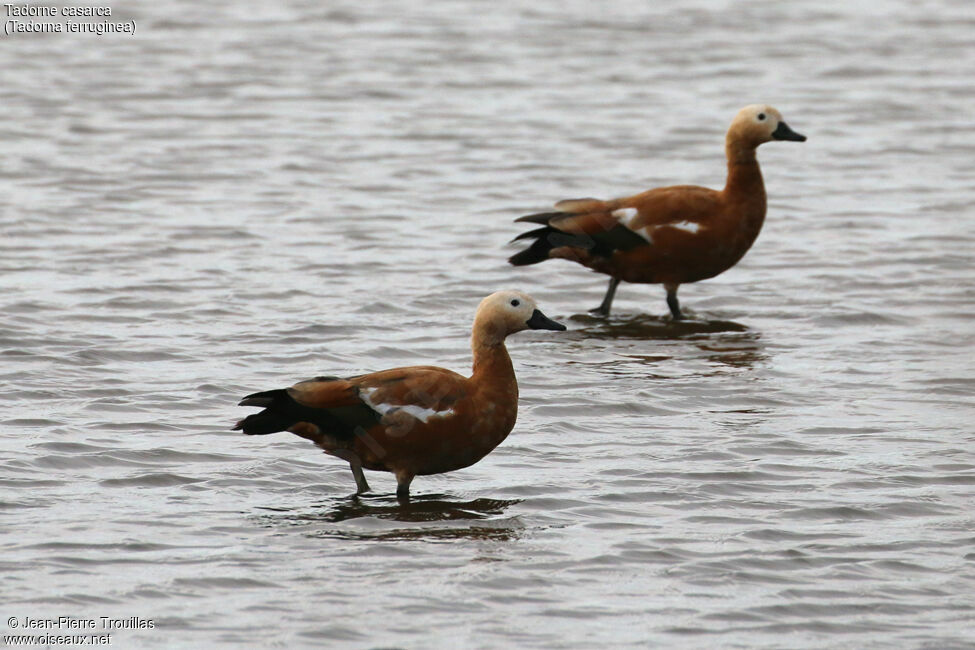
(739, 350)
(647, 326)
(424, 513)
(502, 532)
(724, 342)
(432, 507)
(284, 196)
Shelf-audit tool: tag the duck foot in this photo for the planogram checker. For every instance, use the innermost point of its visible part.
(604, 306)
(355, 464)
(673, 303)
(361, 486)
(403, 480)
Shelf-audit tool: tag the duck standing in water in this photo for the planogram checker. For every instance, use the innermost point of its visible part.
(411, 421)
(669, 235)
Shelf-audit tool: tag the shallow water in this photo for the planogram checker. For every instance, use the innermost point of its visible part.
(232, 200)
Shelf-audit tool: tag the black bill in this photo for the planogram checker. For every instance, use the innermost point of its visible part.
(783, 132)
(540, 321)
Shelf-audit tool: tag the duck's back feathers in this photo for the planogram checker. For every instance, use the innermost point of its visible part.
(588, 204)
(672, 205)
(418, 388)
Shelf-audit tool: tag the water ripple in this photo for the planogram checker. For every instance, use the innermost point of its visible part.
(236, 199)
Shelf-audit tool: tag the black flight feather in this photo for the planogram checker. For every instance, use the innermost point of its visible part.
(281, 412)
(600, 244)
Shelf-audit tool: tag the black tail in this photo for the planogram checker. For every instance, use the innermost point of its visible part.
(604, 238)
(275, 416)
(546, 239)
(281, 412)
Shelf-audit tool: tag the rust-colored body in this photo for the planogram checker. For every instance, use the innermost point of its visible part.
(728, 222)
(411, 421)
(669, 235)
(468, 416)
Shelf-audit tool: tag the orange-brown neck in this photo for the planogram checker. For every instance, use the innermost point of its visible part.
(492, 364)
(744, 193)
(744, 174)
(494, 376)
(495, 396)
(745, 178)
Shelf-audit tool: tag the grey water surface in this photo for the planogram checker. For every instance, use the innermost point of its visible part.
(247, 194)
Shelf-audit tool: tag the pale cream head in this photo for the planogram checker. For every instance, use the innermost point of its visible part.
(759, 123)
(506, 312)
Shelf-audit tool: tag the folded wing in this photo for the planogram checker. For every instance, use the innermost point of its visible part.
(589, 230)
(341, 408)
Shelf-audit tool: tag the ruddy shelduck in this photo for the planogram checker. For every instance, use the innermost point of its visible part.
(411, 421)
(669, 235)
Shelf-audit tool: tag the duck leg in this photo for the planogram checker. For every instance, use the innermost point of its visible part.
(672, 301)
(355, 464)
(603, 308)
(360, 479)
(403, 480)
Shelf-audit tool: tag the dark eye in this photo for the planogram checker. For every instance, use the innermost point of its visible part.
(515, 302)
(761, 116)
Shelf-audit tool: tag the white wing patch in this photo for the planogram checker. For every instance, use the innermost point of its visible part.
(626, 216)
(422, 414)
(419, 412)
(687, 226)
